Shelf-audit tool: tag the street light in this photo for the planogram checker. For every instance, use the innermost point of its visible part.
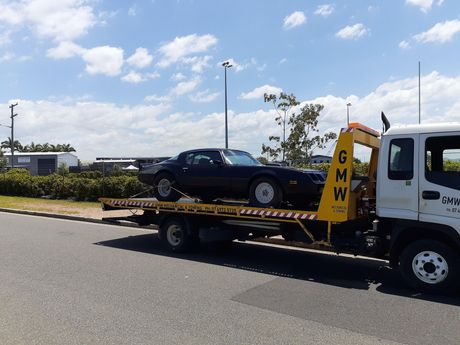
(348, 113)
(226, 65)
(13, 115)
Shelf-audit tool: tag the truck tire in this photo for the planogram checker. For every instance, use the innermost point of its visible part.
(265, 192)
(162, 190)
(176, 235)
(431, 266)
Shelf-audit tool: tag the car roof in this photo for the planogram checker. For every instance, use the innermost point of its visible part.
(211, 149)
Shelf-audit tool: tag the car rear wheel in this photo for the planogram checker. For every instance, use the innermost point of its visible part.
(265, 192)
(163, 187)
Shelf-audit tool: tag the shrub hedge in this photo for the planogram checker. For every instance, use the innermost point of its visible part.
(19, 182)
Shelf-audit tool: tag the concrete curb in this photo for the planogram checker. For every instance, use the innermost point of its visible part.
(74, 218)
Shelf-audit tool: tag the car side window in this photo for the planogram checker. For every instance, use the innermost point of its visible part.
(202, 158)
(401, 159)
(442, 161)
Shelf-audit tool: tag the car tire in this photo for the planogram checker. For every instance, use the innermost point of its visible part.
(265, 192)
(162, 187)
(431, 266)
(177, 235)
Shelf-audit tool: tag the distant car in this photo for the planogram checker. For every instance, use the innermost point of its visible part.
(223, 173)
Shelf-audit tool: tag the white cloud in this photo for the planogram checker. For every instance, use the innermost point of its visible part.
(5, 37)
(140, 59)
(404, 45)
(204, 96)
(156, 98)
(185, 87)
(283, 60)
(424, 5)
(178, 77)
(58, 20)
(198, 63)
(441, 32)
(296, 18)
(104, 60)
(65, 50)
(258, 92)
(7, 57)
(324, 10)
(237, 66)
(133, 77)
(352, 32)
(136, 77)
(157, 130)
(184, 46)
(132, 11)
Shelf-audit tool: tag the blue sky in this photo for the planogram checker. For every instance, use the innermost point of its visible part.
(145, 77)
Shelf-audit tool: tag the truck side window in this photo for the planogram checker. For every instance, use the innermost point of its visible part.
(442, 161)
(401, 159)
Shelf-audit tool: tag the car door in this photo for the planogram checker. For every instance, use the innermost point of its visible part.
(440, 179)
(203, 172)
(397, 188)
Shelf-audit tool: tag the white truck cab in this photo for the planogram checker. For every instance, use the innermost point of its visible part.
(418, 197)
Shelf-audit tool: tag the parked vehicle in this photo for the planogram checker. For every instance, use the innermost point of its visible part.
(405, 210)
(218, 173)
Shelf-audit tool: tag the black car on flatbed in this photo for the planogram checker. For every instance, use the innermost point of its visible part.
(224, 173)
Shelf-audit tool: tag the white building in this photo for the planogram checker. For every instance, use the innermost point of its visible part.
(42, 163)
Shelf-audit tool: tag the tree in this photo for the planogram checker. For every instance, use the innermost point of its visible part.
(32, 147)
(63, 169)
(303, 132)
(283, 105)
(3, 162)
(304, 138)
(262, 160)
(7, 145)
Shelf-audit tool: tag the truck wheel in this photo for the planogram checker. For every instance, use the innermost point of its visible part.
(176, 235)
(162, 187)
(265, 192)
(431, 266)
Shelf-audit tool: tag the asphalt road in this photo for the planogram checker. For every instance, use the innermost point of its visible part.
(66, 282)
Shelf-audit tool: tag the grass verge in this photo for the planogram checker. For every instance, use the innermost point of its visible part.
(48, 206)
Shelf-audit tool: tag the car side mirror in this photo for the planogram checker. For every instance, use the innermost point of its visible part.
(217, 162)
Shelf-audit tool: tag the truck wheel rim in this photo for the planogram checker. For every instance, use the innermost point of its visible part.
(164, 187)
(174, 235)
(430, 267)
(264, 192)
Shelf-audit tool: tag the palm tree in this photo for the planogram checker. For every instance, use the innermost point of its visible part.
(7, 145)
(67, 148)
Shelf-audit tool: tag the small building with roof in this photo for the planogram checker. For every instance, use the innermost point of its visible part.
(42, 163)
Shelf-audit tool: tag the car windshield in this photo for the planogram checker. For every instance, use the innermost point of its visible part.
(240, 158)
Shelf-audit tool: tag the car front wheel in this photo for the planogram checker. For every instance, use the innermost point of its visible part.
(265, 192)
(163, 187)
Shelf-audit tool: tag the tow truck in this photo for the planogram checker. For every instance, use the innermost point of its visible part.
(405, 210)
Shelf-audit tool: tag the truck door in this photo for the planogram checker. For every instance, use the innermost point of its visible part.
(397, 179)
(440, 178)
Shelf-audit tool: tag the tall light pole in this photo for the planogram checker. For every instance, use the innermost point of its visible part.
(226, 65)
(348, 113)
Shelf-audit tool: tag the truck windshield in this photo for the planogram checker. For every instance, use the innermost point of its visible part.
(240, 158)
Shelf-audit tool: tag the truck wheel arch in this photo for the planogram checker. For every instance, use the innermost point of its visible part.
(405, 232)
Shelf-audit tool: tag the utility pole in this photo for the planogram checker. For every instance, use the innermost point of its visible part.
(226, 65)
(13, 115)
(419, 97)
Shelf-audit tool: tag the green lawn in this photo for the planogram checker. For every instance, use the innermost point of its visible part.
(45, 205)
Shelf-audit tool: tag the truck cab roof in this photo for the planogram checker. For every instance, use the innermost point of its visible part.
(424, 128)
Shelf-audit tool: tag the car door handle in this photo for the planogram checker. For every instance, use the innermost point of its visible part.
(430, 195)
(184, 169)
